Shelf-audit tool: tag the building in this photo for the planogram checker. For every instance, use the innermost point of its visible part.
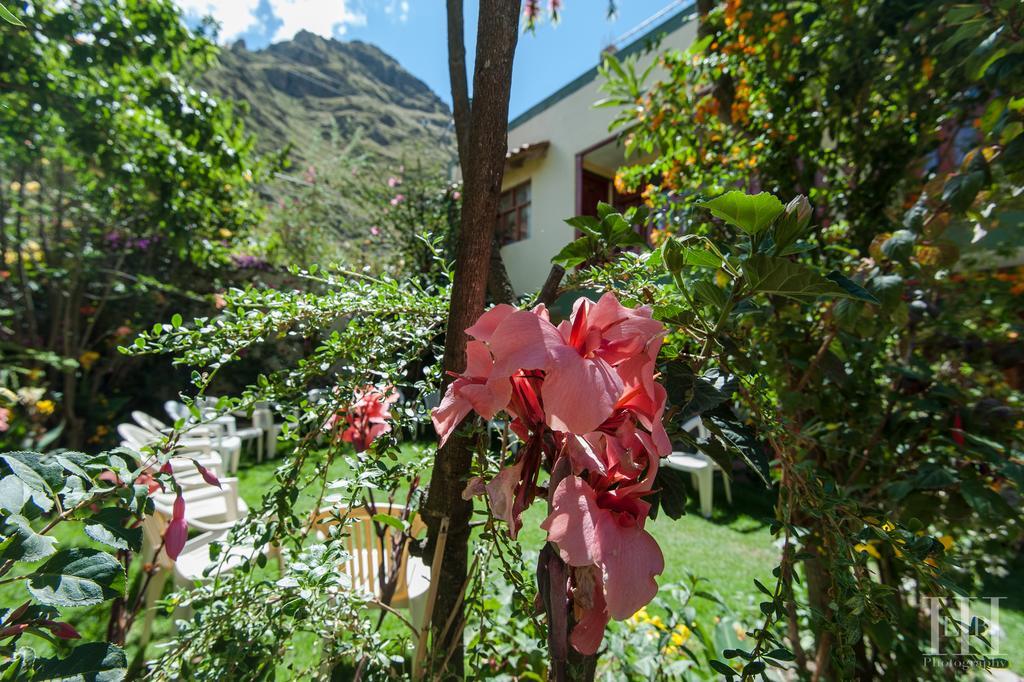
(562, 159)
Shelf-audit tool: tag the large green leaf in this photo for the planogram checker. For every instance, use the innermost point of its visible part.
(749, 212)
(13, 494)
(77, 577)
(38, 477)
(9, 17)
(575, 253)
(671, 496)
(782, 277)
(93, 662)
(22, 543)
(853, 289)
(110, 526)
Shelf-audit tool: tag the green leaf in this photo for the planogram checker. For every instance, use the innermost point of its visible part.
(176, 320)
(988, 503)
(389, 520)
(93, 662)
(852, 288)
(9, 17)
(37, 478)
(77, 577)
(782, 277)
(109, 526)
(961, 189)
(781, 655)
(586, 224)
(749, 212)
(22, 543)
(900, 245)
(732, 437)
(671, 484)
(710, 294)
(720, 667)
(574, 253)
(13, 494)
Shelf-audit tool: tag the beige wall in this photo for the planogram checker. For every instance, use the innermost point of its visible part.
(571, 125)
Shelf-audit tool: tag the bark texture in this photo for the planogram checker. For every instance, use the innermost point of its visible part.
(482, 152)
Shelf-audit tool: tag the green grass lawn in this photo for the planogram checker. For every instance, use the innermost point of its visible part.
(729, 550)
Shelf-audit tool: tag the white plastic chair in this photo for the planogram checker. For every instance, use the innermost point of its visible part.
(263, 419)
(702, 469)
(230, 437)
(209, 435)
(208, 504)
(369, 553)
(137, 438)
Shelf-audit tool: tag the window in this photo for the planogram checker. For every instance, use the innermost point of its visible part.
(514, 215)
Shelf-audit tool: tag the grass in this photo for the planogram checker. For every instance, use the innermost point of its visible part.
(730, 550)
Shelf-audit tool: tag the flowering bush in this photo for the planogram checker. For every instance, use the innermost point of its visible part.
(365, 419)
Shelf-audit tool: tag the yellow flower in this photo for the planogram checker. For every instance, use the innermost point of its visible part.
(888, 527)
(869, 548)
(680, 635)
(15, 186)
(45, 407)
(88, 359)
(225, 232)
(947, 542)
(32, 187)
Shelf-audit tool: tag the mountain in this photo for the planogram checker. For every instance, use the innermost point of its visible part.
(321, 94)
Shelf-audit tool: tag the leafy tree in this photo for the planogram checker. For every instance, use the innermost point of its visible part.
(118, 183)
(870, 108)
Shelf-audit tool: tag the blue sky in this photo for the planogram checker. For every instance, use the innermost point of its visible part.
(413, 32)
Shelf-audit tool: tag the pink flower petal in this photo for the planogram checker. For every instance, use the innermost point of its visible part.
(572, 523)
(452, 410)
(630, 558)
(483, 328)
(501, 496)
(206, 474)
(523, 341)
(175, 537)
(579, 394)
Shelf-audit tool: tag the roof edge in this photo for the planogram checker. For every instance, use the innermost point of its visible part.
(672, 23)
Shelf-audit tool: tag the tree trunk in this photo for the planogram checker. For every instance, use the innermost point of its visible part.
(499, 286)
(483, 151)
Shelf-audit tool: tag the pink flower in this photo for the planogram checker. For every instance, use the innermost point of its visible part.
(367, 417)
(375, 230)
(394, 182)
(177, 530)
(578, 358)
(456, 195)
(5, 419)
(397, 199)
(585, 403)
(206, 474)
(604, 530)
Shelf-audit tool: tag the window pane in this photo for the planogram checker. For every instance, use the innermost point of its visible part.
(524, 222)
(523, 194)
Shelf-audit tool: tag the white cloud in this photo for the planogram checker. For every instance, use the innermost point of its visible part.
(325, 18)
(398, 9)
(234, 16)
